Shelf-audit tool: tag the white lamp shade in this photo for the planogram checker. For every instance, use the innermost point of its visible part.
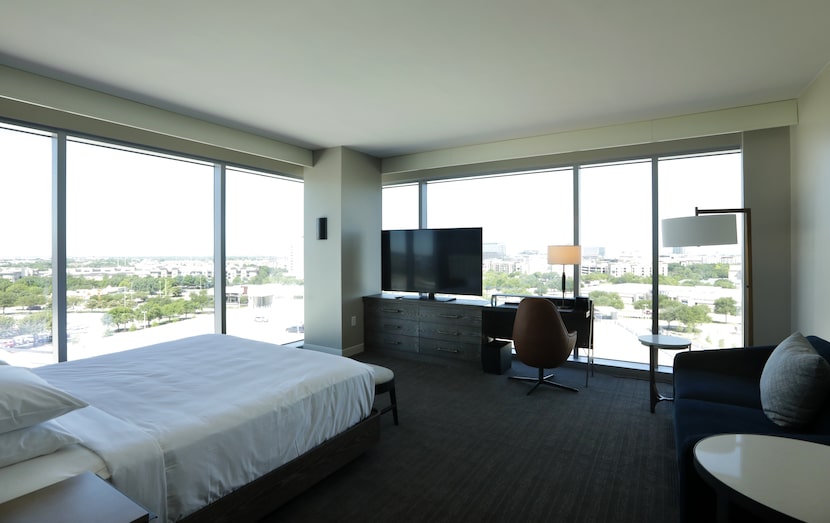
(708, 229)
(564, 254)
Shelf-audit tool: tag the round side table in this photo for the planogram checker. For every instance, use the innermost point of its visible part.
(655, 342)
(775, 478)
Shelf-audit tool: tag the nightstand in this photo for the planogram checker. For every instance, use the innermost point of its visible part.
(85, 497)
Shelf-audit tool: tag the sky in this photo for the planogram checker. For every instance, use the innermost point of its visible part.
(125, 203)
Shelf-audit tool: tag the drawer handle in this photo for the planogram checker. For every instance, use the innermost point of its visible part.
(450, 316)
(393, 342)
(442, 349)
(451, 333)
(388, 326)
(397, 311)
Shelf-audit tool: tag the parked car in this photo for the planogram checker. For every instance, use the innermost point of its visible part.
(6, 343)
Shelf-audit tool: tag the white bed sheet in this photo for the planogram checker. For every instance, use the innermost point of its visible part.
(37, 473)
(223, 411)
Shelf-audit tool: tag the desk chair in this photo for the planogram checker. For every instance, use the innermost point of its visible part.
(541, 340)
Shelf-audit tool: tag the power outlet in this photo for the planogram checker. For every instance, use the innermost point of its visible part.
(354, 321)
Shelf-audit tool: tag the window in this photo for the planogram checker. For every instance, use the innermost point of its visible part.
(400, 206)
(701, 288)
(521, 214)
(615, 234)
(26, 247)
(139, 231)
(264, 248)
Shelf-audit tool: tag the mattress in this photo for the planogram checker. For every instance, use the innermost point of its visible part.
(183, 423)
(34, 474)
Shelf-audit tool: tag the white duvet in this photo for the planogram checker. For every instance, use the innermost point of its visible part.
(181, 424)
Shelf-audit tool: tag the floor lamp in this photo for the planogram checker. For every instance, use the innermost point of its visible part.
(716, 227)
(564, 255)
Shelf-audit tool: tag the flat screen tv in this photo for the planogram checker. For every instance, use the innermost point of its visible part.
(432, 261)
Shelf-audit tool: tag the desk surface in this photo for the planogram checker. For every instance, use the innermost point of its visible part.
(785, 475)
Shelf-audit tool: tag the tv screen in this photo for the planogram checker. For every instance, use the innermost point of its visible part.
(432, 261)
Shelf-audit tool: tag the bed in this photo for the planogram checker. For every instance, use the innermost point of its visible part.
(207, 428)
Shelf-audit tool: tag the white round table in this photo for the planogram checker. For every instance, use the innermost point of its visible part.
(655, 342)
(773, 477)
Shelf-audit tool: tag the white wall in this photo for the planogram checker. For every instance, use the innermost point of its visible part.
(811, 210)
(344, 187)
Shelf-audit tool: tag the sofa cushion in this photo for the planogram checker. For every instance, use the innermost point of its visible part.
(794, 383)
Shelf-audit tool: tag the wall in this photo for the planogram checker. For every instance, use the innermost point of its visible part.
(766, 167)
(811, 210)
(361, 224)
(344, 187)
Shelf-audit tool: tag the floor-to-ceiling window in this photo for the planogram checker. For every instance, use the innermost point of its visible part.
(521, 214)
(137, 230)
(701, 288)
(618, 211)
(139, 249)
(615, 234)
(25, 246)
(264, 248)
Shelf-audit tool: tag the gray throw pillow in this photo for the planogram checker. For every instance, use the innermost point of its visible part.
(794, 383)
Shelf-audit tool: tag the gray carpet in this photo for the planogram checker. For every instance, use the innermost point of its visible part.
(474, 447)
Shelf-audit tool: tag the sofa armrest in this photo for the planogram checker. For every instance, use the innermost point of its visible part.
(747, 361)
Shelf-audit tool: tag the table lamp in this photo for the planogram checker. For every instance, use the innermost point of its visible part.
(565, 255)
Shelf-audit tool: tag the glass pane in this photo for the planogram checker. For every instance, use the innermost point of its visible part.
(139, 248)
(615, 233)
(26, 247)
(400, 206)
(701, 288)
(264, 249)
(521, 214)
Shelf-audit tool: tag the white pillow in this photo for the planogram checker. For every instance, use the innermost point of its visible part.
(31, 442)
(27, 399)
(795, 382)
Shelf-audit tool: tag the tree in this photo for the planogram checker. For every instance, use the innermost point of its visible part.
(693, 316)
(607, 299)
(6, 324)
(726, 306)
(200, 300)
(7, 299)
(120, 316)
(669, 309)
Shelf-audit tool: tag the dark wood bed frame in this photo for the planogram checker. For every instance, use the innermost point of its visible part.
(264, 495)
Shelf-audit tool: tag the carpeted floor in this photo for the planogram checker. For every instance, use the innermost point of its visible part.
(474, 447)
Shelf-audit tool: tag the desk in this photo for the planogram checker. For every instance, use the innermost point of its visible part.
(778, 479)
(461, 330)
(577, 314)
(654, 342)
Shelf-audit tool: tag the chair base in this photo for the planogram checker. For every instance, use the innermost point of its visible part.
(543, 380)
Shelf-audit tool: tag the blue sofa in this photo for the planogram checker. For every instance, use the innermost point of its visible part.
(718, 392)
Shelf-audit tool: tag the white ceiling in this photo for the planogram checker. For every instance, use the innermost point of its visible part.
(391, 77)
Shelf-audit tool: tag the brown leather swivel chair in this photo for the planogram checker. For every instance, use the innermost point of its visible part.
(541, 340)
